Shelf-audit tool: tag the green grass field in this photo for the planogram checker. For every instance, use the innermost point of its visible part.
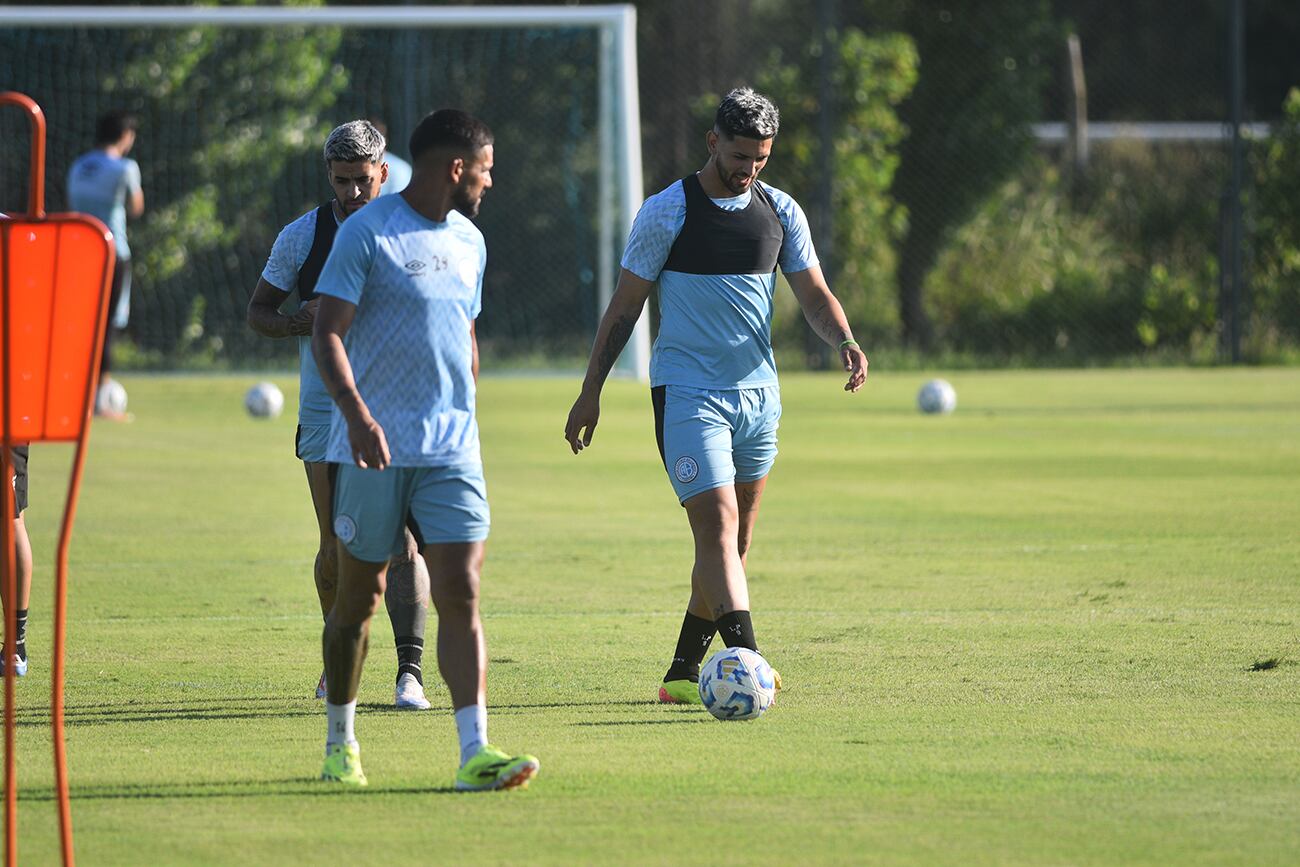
(1022, 634)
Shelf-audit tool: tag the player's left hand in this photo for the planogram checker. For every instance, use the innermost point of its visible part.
(855, 362)
(300, 323)
(369, 445)
(581, 425)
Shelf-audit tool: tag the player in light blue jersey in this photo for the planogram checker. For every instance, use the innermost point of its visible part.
(713, 242)
(399, 170)
(394, 339)
(355, 168)
(105, 183)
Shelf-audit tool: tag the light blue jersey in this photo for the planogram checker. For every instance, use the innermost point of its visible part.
(287, 257)
(399, 174)
(418, 287)
(715, 330)
(99, 184)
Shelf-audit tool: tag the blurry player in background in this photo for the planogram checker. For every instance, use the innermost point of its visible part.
(355, 168)
(105, 183)
(399, 170)
(23, 558)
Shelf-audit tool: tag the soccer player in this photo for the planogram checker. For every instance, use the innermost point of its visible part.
(394, 338)
(105, 183)
(23, 559)
(355, 168)
(713, 241)
(399, 170)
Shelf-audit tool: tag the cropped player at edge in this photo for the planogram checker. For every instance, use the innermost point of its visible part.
(355, 168)
(713, 242)
(394, 339)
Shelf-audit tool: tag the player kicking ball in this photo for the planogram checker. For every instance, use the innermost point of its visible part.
(713, 242)
(394, 340)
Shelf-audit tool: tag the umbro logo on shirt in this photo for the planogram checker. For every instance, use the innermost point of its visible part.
(415, 266)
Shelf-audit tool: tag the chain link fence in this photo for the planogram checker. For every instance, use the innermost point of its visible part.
(980, 192)
(1024, 202)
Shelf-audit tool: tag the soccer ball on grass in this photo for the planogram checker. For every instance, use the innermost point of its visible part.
(264, 400)
(936, 397)
(737, 684)
(110, 398)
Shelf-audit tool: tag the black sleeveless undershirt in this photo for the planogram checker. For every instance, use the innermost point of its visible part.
(326, 228)
(714, 241)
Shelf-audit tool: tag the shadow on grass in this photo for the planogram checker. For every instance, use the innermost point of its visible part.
(688, 720)
(294, 787)
(252, 708)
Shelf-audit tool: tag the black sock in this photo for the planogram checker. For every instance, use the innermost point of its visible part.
(692, 643)
(737, 630)
(20, 646)
(410, 653)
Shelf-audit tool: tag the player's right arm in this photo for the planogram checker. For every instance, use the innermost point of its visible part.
(278, 281)
(134, 192)
(615, 329)
(333, 319)
(655, 229)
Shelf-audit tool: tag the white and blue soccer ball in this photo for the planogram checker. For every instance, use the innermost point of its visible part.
(110, 398)
(936, 397)
(264, 400)
(737, 684)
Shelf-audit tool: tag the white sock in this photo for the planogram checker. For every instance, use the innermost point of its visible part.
(471, 725)
(341, 717)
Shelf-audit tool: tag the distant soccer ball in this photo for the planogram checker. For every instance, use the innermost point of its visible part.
(936, 396)
(110, 398)
(737, 684)
(264, 400)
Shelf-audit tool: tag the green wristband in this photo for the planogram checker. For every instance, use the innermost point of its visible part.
(849, 342)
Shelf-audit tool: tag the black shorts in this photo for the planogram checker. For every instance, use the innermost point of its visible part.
(19, 455)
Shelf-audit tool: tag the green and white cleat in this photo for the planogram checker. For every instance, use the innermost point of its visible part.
(680, 692)
(343, 765)
(491, 769)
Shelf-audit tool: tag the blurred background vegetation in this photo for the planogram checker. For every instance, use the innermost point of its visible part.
(955, 224)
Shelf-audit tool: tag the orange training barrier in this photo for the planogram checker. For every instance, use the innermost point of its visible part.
(55, 272)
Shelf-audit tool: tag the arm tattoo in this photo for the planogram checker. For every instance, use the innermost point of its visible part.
(823, 322)
(619, 333)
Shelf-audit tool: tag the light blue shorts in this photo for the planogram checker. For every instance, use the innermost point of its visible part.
(709, 439)
(439, 504)
(309, 445)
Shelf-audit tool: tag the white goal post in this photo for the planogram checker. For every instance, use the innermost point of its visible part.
(620, 181)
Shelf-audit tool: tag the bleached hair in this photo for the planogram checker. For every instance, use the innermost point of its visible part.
(356, 141)
(744, 112)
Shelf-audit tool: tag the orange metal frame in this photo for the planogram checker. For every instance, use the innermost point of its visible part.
(55, 272)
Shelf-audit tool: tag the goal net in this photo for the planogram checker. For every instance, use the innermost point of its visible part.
(234, 106)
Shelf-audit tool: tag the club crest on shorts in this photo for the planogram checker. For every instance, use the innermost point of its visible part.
(345, 528)
(686, 469)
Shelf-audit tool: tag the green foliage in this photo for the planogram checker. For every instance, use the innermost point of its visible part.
(1025, 275)
(983, 72)
(225, 91)
(871, 76)
(1274, 310)
(1128, 273)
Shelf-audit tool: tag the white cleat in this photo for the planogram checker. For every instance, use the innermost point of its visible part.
(320, 687)
(409, 694)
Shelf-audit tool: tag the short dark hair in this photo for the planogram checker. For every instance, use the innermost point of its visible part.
(744, 112)
(450, 128)
(112, 125)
